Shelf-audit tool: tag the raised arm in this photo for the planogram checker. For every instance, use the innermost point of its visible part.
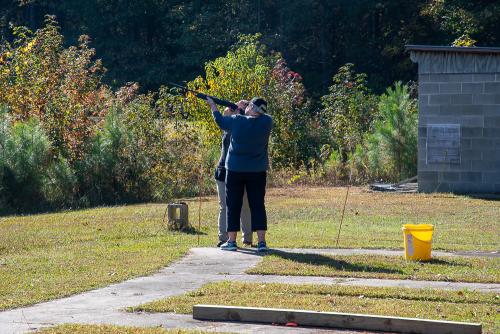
(224, 122)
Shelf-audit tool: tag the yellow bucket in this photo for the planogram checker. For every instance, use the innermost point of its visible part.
(418, 241)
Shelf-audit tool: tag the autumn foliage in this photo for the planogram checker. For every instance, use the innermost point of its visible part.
(58, 86)
(67, 139)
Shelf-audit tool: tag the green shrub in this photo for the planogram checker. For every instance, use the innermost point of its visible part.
(177, 146)
(348, 110)
(61, 186)
(60, 86)
(331, 162)
(27, 154)
(357, 165)
(32, 176)
(112, 168)
(392, 147)
(292, 141)
(246, 71)
(4, 132)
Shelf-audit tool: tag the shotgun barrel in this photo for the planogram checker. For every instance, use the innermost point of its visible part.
(203, 96)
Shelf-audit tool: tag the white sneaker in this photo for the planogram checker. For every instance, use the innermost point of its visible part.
(229, 246)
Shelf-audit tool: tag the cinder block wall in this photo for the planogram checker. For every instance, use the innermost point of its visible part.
(459, 94)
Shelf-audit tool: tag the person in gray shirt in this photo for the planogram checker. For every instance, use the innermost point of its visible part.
(246, 165)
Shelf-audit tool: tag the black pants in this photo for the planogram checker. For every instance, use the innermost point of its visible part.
(255, 184)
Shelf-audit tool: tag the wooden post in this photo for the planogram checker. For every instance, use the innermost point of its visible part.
(178, 216)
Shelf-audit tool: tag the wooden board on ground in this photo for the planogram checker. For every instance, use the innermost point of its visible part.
(333, 320)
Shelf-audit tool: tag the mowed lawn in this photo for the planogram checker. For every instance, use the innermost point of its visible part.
(47, 256)
(309, 217)
(450, 269)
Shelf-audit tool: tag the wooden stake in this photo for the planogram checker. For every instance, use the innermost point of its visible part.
(199, 206)
(342, 217)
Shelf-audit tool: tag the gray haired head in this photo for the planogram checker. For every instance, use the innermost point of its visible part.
(260, 103)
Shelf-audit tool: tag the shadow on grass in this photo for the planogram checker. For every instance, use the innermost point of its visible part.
(444, 262)
(186, 230)
(485, 197)
(322, 260)
(192, 231)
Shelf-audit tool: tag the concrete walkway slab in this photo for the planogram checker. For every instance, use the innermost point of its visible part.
(200, 266)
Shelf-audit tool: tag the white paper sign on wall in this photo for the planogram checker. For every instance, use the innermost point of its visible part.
(443, 144)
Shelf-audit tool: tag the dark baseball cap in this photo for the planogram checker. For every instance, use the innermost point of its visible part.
(260, 103)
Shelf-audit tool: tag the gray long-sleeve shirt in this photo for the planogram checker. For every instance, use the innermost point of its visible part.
(248, 150)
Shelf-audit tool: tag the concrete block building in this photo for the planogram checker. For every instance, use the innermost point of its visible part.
(459, 119)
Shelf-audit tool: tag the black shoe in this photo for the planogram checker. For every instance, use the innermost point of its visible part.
(220, 244)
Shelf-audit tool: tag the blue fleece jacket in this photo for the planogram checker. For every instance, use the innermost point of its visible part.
(248, 150)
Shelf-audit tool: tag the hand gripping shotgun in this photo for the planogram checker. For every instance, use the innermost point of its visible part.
(202, 96)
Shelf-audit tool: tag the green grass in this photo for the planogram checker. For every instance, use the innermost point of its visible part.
(309, 217)
(106, 329)
(481, 270)
(47, 256)
(465, 306)
(53, 255)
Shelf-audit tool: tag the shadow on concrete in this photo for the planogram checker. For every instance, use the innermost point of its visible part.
(252, 251)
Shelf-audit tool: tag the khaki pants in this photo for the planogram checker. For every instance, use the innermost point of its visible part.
(246, 224)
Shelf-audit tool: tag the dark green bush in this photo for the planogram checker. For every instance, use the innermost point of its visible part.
(32, 176)
(348, 110)
(112, 168)
(392, 147)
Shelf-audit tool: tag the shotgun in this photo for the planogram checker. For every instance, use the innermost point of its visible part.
(202, 96)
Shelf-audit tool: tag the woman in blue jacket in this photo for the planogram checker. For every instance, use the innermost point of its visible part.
(246, 165)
